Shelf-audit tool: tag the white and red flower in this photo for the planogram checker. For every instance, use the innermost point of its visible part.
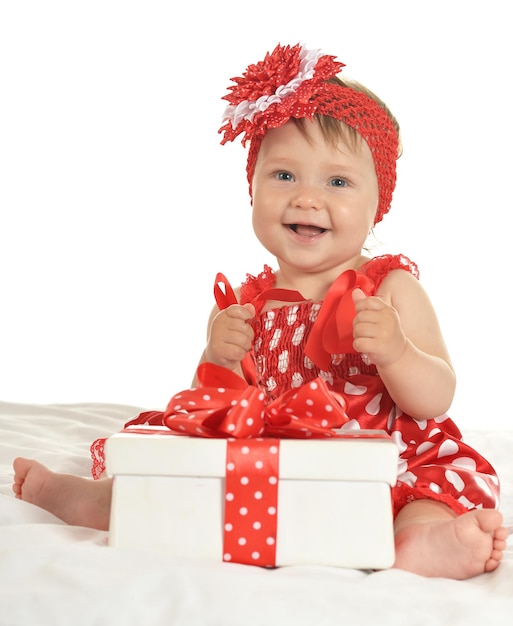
(290, 74)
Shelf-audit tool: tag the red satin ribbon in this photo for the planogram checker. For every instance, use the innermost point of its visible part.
(251, 501)
(332, 332)
(225, 405)
(223, 292)
(225, 295)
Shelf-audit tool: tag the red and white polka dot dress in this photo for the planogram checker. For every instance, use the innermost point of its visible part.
(434, 461)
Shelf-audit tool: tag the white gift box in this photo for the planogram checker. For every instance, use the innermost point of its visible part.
(333, 501)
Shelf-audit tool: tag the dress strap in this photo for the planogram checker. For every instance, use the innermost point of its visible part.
(378, 268)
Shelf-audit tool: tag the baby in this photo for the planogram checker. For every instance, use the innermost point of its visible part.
(322, 170)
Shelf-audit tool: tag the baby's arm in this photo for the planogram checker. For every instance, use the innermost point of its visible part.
(229, 337)
(398, 330)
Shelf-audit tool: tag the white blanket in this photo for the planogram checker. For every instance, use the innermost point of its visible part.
(51, 573)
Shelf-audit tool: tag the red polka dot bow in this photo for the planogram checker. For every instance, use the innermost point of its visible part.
(225, 405)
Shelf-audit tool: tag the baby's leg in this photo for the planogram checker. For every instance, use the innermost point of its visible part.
(431, 540)
(75, 500)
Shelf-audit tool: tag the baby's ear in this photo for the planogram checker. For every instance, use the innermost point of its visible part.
(358, 295)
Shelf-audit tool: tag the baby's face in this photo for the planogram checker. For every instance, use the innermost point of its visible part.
(313, 203)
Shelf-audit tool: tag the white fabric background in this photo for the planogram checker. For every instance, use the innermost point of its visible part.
(53, 574)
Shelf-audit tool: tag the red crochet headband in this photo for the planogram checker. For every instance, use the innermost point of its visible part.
(291, 82)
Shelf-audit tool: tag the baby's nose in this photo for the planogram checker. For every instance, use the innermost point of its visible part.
(308, 197)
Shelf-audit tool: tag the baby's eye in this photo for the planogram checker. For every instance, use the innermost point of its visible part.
(284, 176)
(338, 182)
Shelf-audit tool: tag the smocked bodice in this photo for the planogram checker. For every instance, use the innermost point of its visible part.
(279, 352)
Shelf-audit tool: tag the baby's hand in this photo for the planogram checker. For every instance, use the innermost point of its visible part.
(230, 336)
(377, 330)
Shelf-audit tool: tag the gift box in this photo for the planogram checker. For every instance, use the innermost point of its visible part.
(263, 501)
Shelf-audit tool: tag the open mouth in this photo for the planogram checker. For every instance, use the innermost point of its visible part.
(307, 230)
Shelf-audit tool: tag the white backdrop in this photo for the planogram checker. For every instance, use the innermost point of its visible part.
(118, 205)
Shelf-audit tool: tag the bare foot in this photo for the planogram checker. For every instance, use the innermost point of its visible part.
(448, 546)
(75, 500)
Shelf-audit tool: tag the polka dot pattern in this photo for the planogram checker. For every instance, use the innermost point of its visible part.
(306, 410)
(434, 461)
(251, 501)
(298, 395)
